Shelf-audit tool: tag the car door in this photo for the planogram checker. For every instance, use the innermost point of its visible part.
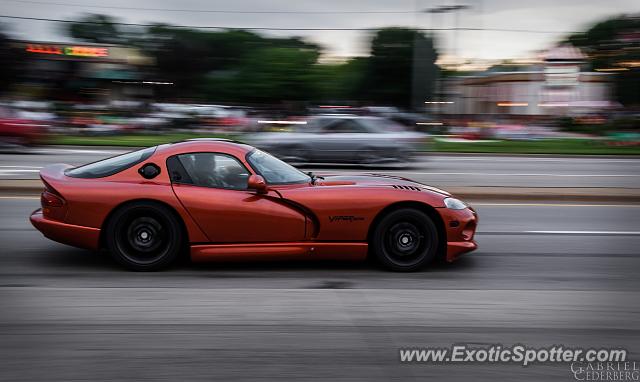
(213, 189)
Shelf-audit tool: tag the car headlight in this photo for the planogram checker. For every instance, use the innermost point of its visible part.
(455, 204)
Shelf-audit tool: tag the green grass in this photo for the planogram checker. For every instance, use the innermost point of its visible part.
(547, 146)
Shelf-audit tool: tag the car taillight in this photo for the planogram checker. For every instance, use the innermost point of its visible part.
(54, 206)
(49, 199)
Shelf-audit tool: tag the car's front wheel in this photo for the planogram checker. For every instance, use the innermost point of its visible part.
(405, 240)
(144, 236)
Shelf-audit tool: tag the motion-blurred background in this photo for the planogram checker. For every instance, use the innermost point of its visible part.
(478, 76)
(374, 83)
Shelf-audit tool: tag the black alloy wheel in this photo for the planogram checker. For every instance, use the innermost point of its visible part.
(405, 240)
(144, 236)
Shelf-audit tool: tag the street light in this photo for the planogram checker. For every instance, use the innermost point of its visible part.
(446, 8)
(441, 9)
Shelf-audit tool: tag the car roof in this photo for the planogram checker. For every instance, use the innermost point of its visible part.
(220, 145)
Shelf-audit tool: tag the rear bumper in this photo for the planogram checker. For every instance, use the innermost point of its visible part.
(74, 235)
(461, 228)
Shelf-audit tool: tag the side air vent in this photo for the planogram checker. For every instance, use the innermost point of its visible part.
(402, 187)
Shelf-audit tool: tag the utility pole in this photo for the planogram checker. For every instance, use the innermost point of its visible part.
(443, 9)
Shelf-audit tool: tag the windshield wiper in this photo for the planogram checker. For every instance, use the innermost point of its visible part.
(314, 177)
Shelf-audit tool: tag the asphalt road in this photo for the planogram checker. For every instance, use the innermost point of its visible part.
(437, 170)
(68, 314)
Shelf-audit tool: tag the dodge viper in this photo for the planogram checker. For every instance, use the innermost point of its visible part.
(222, 200)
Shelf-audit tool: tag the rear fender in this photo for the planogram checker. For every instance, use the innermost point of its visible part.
(90, 201)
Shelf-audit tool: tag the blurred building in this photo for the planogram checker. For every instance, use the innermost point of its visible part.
(558, 85)
(58, 71)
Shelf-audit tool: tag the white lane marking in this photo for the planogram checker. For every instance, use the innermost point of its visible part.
(20, 169)
(520, 174)
(551, 205)
(586, 232)
(20, 166)
(532, 159)
(400, 172)
(21, 197)
(13, 171)
(79, 151)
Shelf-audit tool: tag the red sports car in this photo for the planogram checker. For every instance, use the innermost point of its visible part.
(224, 200)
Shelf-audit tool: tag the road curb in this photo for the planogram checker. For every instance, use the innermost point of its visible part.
(14, 187)
(10, 187)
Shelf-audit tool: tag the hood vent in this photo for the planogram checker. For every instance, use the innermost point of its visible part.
(401, 187)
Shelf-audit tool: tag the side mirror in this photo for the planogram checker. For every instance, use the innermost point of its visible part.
(256, 182)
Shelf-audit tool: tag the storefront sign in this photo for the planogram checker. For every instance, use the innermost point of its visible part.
(77, 51)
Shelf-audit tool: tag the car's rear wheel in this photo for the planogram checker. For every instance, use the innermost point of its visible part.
(405, 240)
(145, 236)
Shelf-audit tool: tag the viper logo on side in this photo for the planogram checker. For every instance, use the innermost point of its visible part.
(345, 218)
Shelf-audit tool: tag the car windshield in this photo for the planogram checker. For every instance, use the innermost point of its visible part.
(110, 166)
(275, 171)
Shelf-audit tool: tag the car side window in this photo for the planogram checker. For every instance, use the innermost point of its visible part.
(213, 170)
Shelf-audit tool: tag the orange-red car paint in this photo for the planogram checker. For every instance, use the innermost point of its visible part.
(331, 219)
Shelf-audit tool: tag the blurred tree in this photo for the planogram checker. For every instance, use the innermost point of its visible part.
(185, 56)
(615, 44)
(401, 69)
(268, 75)
(236, 65)
(100, 29)
(341, 82)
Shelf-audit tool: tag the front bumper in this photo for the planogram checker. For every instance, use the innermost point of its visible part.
(461, 228)
(74, 235)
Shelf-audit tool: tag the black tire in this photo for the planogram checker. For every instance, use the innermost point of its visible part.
(405, 240)
(144, 236)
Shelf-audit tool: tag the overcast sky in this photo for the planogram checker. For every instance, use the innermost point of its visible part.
(538, 15)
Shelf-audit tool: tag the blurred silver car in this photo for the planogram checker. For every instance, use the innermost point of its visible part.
(342, 139)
